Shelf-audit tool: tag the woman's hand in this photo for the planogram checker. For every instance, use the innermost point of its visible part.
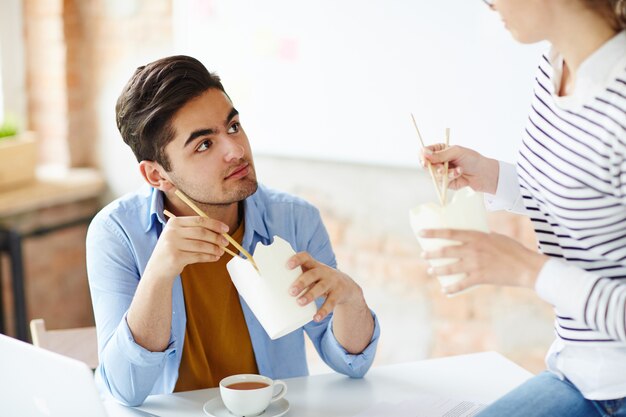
(484, 258)
(466, 167)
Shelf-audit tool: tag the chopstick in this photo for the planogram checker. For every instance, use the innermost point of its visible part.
(171, 215)
(446, 180)
(200, 213)
(430, 167)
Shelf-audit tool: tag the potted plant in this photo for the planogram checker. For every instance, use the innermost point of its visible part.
(18, 155)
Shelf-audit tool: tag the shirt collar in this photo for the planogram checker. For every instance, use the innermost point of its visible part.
(156, 209)
(594, 73)
(254, 209)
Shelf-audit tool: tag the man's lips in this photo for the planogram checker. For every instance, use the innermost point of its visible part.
(239, 172)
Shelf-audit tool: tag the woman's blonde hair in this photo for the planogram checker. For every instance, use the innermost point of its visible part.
(615, 10)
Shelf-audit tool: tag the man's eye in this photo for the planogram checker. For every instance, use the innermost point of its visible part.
(234, 128)
(206, 144)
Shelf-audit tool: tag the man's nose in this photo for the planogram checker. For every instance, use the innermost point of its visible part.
(232, 150)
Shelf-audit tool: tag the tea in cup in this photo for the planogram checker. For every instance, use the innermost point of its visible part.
(250, 394)
(465, 211)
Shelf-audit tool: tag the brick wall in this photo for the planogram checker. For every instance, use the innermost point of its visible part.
(71, 48)
(45, 78)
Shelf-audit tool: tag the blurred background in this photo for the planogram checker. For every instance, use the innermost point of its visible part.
(325, 90)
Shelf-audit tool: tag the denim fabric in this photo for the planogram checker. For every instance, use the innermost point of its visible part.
(545, 395)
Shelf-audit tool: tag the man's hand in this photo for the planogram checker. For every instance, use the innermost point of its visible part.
(353, 324)
(320, 280)
(184, 241)
(485, 258)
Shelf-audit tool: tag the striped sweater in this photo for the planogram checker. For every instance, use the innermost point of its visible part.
(572, 175)
(571, 181)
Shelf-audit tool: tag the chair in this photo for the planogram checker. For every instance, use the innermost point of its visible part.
(81, 343)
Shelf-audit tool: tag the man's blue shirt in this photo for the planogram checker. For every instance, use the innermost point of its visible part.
(120, 241)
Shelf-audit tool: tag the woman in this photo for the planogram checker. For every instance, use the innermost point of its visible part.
(571, 180)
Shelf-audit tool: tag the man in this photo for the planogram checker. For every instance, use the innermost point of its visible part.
(168, 316)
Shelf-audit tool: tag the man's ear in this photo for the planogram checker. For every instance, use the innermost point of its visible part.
(155, 175)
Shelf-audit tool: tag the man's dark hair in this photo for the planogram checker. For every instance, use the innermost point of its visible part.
(150, 99)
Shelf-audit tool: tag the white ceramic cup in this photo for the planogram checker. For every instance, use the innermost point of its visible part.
(465, 211)
(250, 402)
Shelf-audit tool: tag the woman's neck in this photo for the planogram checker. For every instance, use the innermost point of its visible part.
(576, 36)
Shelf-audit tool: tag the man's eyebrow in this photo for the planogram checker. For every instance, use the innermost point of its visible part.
(198, 133)
(207, 132)
(233, 112)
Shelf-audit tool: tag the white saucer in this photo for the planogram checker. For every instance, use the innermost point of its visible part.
(216, 408)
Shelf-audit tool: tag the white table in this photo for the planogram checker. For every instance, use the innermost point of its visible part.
(478, 377)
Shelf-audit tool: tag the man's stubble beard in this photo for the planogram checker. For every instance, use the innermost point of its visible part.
(245, 188)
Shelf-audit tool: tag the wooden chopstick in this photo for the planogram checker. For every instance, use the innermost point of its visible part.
(228, 251)
(446, 180)
(430, 167)
(200, 213)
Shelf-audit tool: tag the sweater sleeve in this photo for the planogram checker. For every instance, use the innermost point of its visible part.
(597, 301)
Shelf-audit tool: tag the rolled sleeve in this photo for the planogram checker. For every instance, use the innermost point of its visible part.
(126, 370)
(137, 354)
(140, 372)
(338, 358)
(123, 356)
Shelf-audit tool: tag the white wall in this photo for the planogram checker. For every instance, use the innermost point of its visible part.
(337, 79)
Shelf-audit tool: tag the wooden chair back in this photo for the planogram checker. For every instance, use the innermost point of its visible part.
(79, 343)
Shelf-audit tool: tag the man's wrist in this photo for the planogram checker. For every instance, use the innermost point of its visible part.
(158, 277)
(357, 300)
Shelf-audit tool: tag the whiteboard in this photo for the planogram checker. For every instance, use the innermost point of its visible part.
(333, 79)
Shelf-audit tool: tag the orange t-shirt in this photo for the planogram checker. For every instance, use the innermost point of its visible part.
(217, 341)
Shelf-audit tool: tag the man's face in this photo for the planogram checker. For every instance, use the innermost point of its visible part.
(210, 156)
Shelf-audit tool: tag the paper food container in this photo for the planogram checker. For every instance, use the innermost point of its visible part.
(266, 292)
(465, 211)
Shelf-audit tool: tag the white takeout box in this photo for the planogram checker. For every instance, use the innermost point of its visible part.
(465, 211)
(266, 292)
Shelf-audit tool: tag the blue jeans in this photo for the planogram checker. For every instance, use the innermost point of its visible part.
(545, 395)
